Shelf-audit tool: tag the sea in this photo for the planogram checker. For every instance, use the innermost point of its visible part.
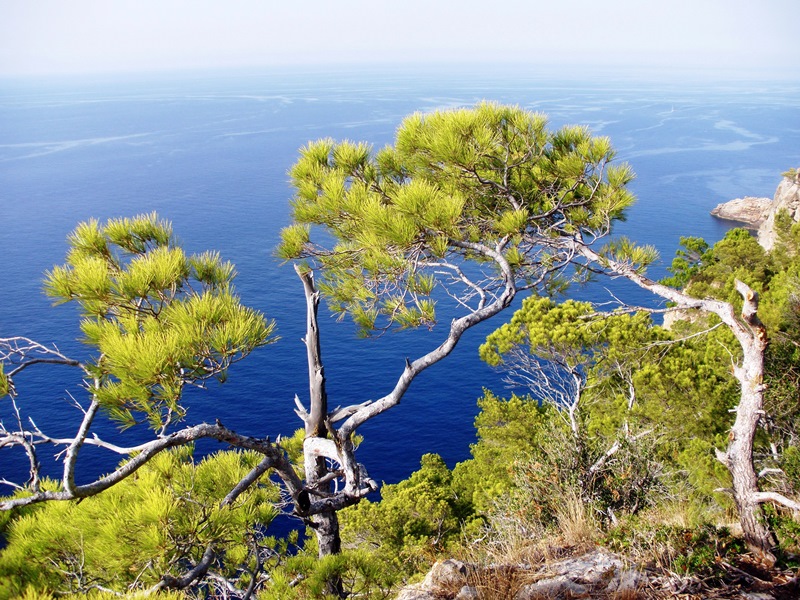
(210, 152)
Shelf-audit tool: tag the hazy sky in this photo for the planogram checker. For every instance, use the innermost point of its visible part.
(82, 36)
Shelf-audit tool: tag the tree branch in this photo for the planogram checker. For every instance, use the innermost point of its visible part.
(457, 329)
(265, 465)
(68, 479)
(762, 497)
(184, 581)
(147, 451)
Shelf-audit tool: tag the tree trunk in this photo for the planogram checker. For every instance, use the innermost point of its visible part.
(757, 535)
(739, 454)
(738, 457)
(324, 524)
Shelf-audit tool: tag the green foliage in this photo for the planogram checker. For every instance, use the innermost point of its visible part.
(4, 384)
(687, 262)
(699, 367)
(415, 520)
(527, 461)
(626, 252)
(787, 528)
(364, 574)
(508, 430)
(571, 334)
(157, 521)
(694, 378)
(573, 357)
(791, 174)
(782, 363)
(713, 273)
(159, 319)
(34, 594)
(615, 375)
(565, 467)
(455, 184)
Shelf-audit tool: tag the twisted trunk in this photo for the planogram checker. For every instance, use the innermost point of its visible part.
(328, 451)
(738, 456)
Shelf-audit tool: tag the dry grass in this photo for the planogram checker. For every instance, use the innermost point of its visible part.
(498, 582)
(513, 549)
(576, 522)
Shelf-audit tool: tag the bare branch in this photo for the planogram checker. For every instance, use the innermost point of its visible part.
(17, 350)
(457, 329)
(776, 498)
(458, 275)
(340, 413)
(184, 581)
(68, 479)
(300, 411)
(769, 471)
(147, 451)
(265, 465)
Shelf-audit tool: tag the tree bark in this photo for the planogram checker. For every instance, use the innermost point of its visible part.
(326, 523)
(739, 454)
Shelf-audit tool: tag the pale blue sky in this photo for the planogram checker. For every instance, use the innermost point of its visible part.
(85, 36)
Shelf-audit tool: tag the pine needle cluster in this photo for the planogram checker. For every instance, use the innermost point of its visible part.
(489, 185)
(158, 319)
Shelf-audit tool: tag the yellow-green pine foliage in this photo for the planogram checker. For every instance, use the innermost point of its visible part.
(374, 222)
(306, 576)
(158, 521)
(158, 319)
(508, 430)
(624, 250)
(4, 385)
(415, 520)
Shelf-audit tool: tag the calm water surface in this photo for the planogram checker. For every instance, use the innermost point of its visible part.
(211, 153)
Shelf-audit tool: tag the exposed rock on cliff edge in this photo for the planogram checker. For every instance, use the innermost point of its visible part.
(759, 213)
(787, 197)
(749, 211)
(595, 574)
(600, 574)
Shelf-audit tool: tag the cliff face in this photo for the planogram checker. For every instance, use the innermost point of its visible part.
(759, 213)
(787, 197)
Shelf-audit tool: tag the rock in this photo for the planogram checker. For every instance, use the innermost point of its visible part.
(628, 581)
(414, 593)
(443, 580)
(596, 572)
(759, 213)
(467, 592)
(449, 574)
(748, 211)
(787, 197)
(556, 587)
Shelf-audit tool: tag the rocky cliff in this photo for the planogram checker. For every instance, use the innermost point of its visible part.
(759, 213)
(598, 573)
(787, 197)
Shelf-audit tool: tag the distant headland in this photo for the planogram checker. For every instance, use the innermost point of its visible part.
(759, 213)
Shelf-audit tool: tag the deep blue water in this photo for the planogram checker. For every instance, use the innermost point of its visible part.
(211, 153)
